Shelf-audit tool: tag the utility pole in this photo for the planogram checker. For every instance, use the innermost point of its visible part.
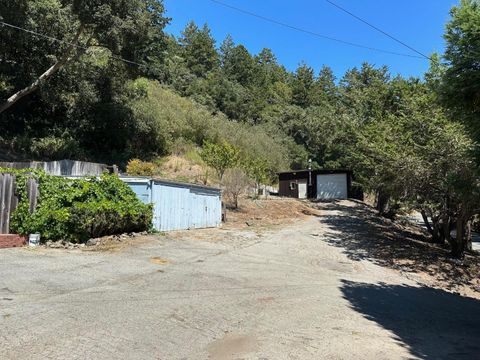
(309, 176)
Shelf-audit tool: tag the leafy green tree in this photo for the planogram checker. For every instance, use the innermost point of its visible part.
(460, 84)
(230, 97)
(257, 169)
(79, 25)
(365, 92)
(221, 156)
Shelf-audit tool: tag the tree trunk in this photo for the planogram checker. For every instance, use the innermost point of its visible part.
(445, 230)
(235, 198)
(437, 230)
(46, 75)
(427, 223)
(382, 202)
(468, 236)
(458, 247)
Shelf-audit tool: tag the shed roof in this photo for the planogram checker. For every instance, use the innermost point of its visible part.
(317, 171)
(168, 182)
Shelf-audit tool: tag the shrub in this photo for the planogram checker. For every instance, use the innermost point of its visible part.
(55, 148)
(141, 168)
(181, 146)
(77, 210)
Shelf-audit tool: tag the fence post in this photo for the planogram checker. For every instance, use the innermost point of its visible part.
(8, 201)
(32, 190)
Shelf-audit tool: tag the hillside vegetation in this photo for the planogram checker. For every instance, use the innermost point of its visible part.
(411, 142)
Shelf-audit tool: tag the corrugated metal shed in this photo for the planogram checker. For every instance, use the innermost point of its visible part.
(179, 206)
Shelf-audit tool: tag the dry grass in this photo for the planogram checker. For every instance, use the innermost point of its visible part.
(178, 168)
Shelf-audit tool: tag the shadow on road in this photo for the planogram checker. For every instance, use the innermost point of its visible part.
(431, 323)
(364, 235)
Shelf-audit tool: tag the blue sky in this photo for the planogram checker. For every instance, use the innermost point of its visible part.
(419, 23)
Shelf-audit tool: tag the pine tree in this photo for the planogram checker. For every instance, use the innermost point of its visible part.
(302, 86)
(199, 50)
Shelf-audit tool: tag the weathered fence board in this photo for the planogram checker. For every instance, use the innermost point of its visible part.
(9, 199)
(62, 167)
(32, 191)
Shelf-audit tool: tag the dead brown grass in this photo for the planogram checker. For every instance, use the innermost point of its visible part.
(177, 168)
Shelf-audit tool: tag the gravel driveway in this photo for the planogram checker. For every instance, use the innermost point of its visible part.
(283, 294)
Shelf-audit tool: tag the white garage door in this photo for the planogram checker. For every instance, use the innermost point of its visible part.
(332, 186)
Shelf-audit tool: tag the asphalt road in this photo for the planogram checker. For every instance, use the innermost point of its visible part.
(285, 294)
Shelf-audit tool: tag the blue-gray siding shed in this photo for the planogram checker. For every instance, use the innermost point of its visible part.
(179, 206)
(141, 187)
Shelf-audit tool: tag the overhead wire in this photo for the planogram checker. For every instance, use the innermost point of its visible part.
(312, 33)
(261, 17)
(78, 46)
(377, 29)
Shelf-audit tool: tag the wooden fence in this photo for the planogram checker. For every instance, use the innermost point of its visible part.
(9, 199)
(62, 167)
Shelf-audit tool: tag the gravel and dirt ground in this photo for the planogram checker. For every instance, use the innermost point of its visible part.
(320, 287)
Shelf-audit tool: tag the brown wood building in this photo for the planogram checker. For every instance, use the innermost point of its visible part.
(316, 184)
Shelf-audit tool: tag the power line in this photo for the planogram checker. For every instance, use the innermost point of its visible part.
(296, 28)
(51, 38)
(377, 29)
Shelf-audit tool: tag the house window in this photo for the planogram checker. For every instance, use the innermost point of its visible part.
(293, 185)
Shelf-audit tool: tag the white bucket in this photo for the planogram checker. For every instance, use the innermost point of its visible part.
(34, 239)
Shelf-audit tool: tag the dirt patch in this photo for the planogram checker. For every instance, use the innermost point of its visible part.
(252, 220)
(114, 244)
(268, 212)
(159, 261)
(232, 346)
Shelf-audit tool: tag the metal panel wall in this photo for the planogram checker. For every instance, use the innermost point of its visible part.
(170, 207)
(142, 188)
(206, 209)
(180, 207)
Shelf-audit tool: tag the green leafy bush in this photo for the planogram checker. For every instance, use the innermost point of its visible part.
(55, 148)
(79, 209)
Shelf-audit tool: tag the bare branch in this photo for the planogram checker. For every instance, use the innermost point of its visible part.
(46, 75)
